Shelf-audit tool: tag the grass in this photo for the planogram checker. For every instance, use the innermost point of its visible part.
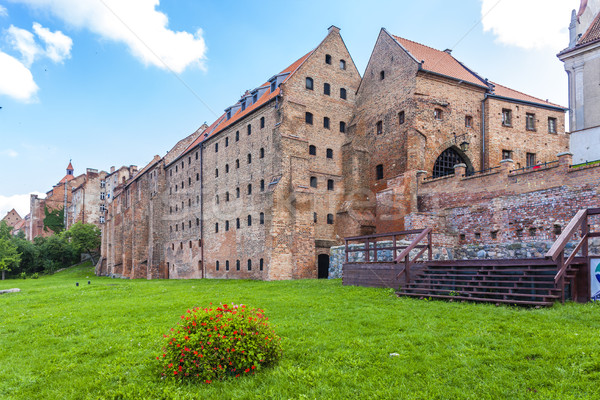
(99, 341)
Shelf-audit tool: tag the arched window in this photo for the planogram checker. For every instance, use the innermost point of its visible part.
(444, 165)
(342, 93)
(327, 59)
(217, 266)
(262, 122)
(308, 118)
(342, 64)
(227, 265)
(309, 83)
(326, 89)
(342, 127)
(237, 265)
(312, 150)
(262, 185)
(379, 172)
(249, 265)
(329, 153)
(330, 184)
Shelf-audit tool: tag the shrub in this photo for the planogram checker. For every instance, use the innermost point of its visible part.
(23, 275)
(35, 275)
(215, 343)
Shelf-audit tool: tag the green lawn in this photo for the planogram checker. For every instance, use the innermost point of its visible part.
(99, 341)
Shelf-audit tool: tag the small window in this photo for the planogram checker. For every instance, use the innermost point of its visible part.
(197, 221)
(249, 188)
(249, 265)
(437, 113)
(530, 121)
(379, 127)
(226, 142)
(216, 198)
(328, 59)
(237, 265)
(342, 64)
(237, 136)
(216, 151)
(249, 158)
(309, 83)
(308, 118)
(532, 231)
(329, 153)
(379, 172)
(217, 266)
(226, 226)
(254, 97)
(530, 159)
(249, 129)
(226, 168)
(262, 185)
(506, 154)
(216, 174)
(329, 219)
(468, 121)
(237, 163)
(262, 122)
(381, 75)
(189, 181)
(312, 150)
(244, 105)
(506, 117)
(343, 93)
(477, 235)
(273, 85)
(217, 227)
(262, 218)
(315, 217)
(260, 265)
(551, 125)
(249, 220)
(237, 192)
(494, 234)
(197, 177)
(557, 229)
(227, 265)
(261, 153)
(326, 89)
(342, 127)
(313, 181)
(401, 117)
(237, 223)
(326, 122)
(226, 196)
(330, 184)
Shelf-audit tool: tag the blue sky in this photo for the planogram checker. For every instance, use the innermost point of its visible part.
(114, 82)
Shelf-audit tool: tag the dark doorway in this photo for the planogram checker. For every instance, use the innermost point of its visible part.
(444, 165)
(323, 272)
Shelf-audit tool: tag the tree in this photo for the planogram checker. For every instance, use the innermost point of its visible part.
(9, 256)
(54, 220)
(85, 238)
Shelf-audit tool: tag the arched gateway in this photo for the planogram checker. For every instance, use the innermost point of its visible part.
(444, 165)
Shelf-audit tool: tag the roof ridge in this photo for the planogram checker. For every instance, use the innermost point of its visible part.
(421, 44)
(523, 93)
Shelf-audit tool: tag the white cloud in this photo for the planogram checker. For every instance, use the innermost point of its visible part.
(529, 24)
(58, 45)
(3, 11)
(136, 23)
(23, 41)
(19, 202)
(15, 79)
(9, 153)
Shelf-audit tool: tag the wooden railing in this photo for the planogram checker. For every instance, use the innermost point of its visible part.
(557, 251)
(370, 245)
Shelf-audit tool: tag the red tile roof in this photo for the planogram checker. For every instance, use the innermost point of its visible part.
(503, 91)
(70, 166)
(439, 62)
(592, 34)
(67, 178)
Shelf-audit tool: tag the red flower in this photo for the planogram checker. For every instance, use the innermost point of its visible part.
(247, 370)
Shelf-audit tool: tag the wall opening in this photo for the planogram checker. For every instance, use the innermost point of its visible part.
(323, 266)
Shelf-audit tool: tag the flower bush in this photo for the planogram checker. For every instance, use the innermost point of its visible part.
(215, 343)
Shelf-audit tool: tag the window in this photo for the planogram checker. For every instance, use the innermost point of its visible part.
(437, 113)
(228, 114)
(226, 226)
(506, 117)
(216, 174)
(308, 118)
(197, 221)
(329, 153)
(249, 220)
(379, 127)
(249, 129)
(329, 219)
(342, 127)
(330, 184)
(342, 64)
(102, 220)
(262, 218)
(530, 159)
(261, 263)
(312, 150)
(381, 75)
(237, 223)
(227, 265)
(171, 210)
(327, 59)
(343, 93)
(237, 265)
(197, 177)
(226, 168)
(237, 192)
(244, 105)
(262, 122)
(326, 89)
(262, 185)
(249, 188)
(102, 184)
(273, 85)
(468, 121)
(249, 265)
(189, 181)
(254, 97)
(551, 125)
(309, 83)
(249, 158)
(176, 169)
(237, 136)
(506, 154)
(217, 227)
(226, 196)
(216, 198)
(315, 217)
(379, 172)
(400, 117)
(102, 195)
(326, 122)
(237, 163)
(530, 121)
(313, 181)
(226, 142)
(217, 266)
(216, 151)
(196, 159)
(261, 153)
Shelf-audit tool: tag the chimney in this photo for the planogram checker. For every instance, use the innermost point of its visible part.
(449, 51)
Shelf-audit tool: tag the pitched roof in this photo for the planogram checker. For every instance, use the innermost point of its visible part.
(592, 34)
(67, 178)
(439, 62)
(70, 166)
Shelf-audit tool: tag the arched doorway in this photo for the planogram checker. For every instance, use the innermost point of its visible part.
(444, 165)
(323, 265)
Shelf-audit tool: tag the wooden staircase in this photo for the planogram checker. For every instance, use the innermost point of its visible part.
(526, 282)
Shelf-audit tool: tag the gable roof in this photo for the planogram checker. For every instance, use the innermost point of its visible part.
(503, 91)
(592, 34)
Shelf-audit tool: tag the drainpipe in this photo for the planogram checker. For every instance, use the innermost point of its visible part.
(202, 212)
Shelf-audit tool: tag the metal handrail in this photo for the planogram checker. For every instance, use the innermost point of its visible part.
(536, 166)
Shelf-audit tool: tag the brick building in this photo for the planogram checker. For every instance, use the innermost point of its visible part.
(316, 154)
(12, 218)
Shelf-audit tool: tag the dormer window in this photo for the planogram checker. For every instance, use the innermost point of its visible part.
(254, 98)
(243, 105)
(228, 114)
(327, 59)
(309, 83)
(273, 85)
